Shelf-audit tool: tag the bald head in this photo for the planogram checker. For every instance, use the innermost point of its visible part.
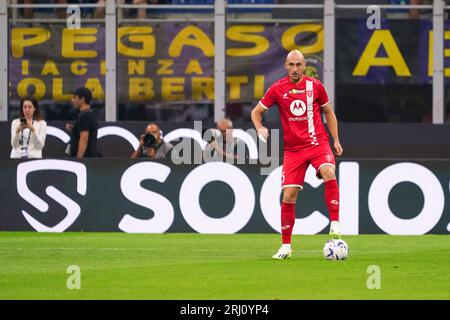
(225, 126)
(295, 65)
(295, 54)
(225, 123)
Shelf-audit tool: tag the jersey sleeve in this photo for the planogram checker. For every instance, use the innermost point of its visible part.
(269, 98)
(322, 97)
(84, 123)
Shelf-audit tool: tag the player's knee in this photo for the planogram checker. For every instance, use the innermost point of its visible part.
(289, 198)
(290, 194)
(327, 172)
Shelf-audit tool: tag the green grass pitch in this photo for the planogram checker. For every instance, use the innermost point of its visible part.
(196, 266)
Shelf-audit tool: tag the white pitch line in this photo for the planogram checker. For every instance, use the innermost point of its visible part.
(206, 250)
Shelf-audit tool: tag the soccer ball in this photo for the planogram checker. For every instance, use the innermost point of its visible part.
(335, 249)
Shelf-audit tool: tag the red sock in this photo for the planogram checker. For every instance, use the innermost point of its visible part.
(332, 199)
(287, 221)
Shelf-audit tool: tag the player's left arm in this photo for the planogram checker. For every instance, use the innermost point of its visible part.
(332, 123)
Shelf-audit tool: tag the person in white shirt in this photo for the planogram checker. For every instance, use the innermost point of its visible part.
(28, 132)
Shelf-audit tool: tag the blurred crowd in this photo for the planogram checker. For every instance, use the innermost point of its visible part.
(99, 12)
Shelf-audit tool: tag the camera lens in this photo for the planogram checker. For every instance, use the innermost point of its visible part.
(149, 140)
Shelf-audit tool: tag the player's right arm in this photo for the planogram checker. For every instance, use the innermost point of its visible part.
(257, 115)
(263, 105)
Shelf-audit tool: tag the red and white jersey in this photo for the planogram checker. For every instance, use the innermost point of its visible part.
(300, 110)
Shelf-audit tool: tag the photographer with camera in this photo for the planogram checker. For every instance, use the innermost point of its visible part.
(151, 145)
(28, 133)
(224, 146)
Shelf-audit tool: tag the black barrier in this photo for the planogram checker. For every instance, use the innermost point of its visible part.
(56, 195)
(360, 140)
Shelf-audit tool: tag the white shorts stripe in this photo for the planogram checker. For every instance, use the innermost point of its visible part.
(292, 185)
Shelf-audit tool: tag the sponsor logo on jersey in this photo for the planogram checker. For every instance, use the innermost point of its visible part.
(298, 107)
(295, 91)
(305, 118)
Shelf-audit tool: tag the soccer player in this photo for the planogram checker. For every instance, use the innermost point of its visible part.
(301, 101)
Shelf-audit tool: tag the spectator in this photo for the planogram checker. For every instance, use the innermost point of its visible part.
(151, 145)
(414, 13)
(83, 140)
(225, 147)
(28, 133)
(141, 13)
(426, 14)
(154, 13)
(138, 13)
(43, 13)
(411, 13)
(100, 11)
(86, 12)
